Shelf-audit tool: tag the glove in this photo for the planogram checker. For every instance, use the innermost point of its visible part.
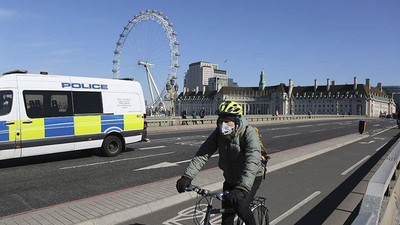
(235, 196)
(182, 184)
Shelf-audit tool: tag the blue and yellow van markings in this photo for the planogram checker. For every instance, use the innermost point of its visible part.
(4, 133)
(59, 126)
(69, 126)
(111, 123)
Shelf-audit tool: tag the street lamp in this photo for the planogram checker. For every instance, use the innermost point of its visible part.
(172, 89)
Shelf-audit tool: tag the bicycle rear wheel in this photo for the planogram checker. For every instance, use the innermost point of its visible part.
(260, 213)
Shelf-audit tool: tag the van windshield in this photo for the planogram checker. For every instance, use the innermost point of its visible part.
(5, 102)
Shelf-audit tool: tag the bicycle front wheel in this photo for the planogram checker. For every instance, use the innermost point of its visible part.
(260, 215)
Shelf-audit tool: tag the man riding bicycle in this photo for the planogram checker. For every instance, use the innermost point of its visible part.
(239, 158)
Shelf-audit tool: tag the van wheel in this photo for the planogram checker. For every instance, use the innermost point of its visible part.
(112, 146)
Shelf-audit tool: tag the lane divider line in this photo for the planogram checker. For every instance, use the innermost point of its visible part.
(294, 208)
(114, 161)
(313, 131)
(380, 147)
(355, 165)
(286, 135)
(383, 131)
(154, 147)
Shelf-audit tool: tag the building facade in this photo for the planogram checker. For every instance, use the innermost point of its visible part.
(394, 92)
(282, 99)
(198, 75)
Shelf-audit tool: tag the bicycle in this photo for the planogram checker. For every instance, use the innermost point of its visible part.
(258, 207)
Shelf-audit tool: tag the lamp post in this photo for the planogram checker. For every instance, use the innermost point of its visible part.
(172, 89)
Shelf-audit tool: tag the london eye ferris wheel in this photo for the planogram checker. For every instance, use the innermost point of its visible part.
(147, 51)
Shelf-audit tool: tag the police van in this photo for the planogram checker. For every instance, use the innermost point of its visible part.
(43, 114)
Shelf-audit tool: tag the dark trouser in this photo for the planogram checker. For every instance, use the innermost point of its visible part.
(243, 207)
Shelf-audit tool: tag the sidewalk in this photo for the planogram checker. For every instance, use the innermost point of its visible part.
(120, 206)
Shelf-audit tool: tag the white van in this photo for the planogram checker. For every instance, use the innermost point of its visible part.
(43, 114)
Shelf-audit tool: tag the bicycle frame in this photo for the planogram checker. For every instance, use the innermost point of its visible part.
(211, 211)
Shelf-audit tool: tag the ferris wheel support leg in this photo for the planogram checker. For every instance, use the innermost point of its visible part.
(155, 87)
(149, 78)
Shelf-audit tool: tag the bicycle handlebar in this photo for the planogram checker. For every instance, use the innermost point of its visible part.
(204, 192)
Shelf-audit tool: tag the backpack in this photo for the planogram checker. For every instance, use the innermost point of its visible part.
(264, 156)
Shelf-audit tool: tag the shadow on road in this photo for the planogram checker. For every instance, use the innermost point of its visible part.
(326, 207)
(46, 158)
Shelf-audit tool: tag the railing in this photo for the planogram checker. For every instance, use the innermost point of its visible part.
(378, 188)
(178, 121)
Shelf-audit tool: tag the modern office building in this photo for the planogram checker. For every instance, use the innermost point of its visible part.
(198, 75)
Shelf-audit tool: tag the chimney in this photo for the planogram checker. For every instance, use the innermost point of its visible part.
(315, 84)
(333, 83)
(204, 89)
(197, 89)
(355, 83)
(368, 83)
(328, 85)
(379, 86)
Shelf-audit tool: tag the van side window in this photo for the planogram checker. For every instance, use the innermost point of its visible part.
(42, 104)
(6, 98)
(87, 102)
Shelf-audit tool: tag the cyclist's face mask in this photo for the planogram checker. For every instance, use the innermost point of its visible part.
(226, 128)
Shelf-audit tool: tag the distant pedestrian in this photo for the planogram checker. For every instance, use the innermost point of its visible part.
(194, 116)
(202, 113)
(184, 116)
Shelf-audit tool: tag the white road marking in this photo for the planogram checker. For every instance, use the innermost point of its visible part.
(279, 128)
(167, 164)
(114, 161)
(317, 130)
(366, 143)
(294, 208)
(383, 131)
(322, 124)
(379, 138)
(161, 146)
(286, 135)
(375, 125)
(380, 147)
(355, 165)
(304, 126)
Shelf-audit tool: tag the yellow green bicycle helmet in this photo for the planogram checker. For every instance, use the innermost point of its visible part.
(230, 108)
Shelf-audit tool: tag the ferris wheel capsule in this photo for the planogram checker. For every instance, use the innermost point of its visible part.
(176, 43)
(166, 18)
(161, 13)
(174, 33)
(154, 10)
(171, 24)
(141, 12)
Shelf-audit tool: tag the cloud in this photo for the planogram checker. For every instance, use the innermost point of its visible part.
(7, 13)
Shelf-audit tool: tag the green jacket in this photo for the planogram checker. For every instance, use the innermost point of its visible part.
(240, 166)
